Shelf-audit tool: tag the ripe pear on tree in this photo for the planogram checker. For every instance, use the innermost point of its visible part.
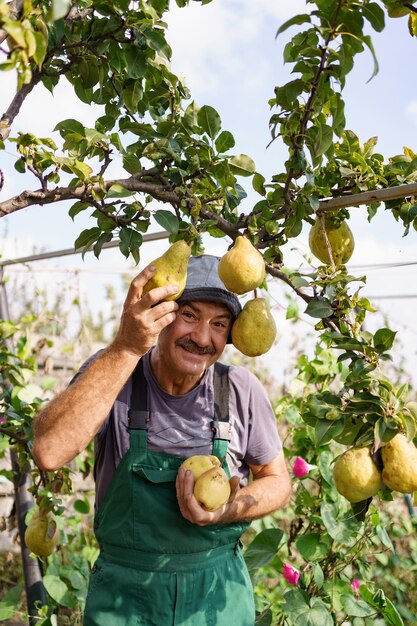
(211, 487)
(399, 457)
(242, 269)
(171, 269)
(356, 475)
(254, 330)
(41, 535)
(339, 236)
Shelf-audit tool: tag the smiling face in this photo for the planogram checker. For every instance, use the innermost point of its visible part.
(188, 346)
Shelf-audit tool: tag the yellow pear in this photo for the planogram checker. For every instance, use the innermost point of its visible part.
(171, 269)
(41, 535)
(242, 268)
(212, 489)
(356, 476)
(340, 238)
(200, 463)
(254, 330)
(399, 457)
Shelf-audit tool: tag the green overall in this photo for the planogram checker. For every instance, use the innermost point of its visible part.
(156, 568)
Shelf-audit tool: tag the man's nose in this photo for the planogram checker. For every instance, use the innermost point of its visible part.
(201, 334)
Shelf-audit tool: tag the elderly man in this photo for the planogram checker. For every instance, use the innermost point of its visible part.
(153, 397)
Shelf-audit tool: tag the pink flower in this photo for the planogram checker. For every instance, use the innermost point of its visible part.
(355, 584)
(291, 574)
(301, 468)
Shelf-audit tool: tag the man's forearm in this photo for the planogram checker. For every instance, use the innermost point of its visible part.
(69, 422)
(258, 499)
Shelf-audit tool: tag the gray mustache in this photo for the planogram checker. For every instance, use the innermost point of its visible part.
(193, 347)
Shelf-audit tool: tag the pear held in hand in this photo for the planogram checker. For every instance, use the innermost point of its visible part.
(254, 330)
(211, 487)
(41, 535)
(340, 239)
(171, 269)
(356, 476)
(399, 457)
(242, 268)
(200, 463)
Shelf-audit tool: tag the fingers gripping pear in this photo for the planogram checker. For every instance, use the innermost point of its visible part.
(254, 330)
(340, 239)
(356, 476)
(171, 269)
(211, 487)
(242, 268)
(399, 457)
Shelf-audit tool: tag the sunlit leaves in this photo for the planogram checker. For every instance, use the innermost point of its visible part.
(209, 120)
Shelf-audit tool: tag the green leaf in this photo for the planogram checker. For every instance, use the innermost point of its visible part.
(87, 237)
(59, 9)
(384, 537)
(319, 307)
(242, 165)
(58, 591)
(41, 48)
(319, 139)
(167, 220)
(298, 19)
(263, 548)
(190, 118)
(82, 506)
(383, 339)
(258, 183)
(356, 608)
(292, 311)
(375, 15)
(391, 614)
(341, 527)
(136, 61)
(70, 126)
(326, 430)
(130, 242)
(10, 603)
(311, 547)
(209, 120)
(225, 141)
(118, 191)
(302, 614)
(318, 574)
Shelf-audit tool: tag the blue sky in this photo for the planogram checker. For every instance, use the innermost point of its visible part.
(231, 60)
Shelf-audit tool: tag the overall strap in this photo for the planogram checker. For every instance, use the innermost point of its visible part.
(138, 415)
(221, 425)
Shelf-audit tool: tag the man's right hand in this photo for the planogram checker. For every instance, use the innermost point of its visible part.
(144, 316)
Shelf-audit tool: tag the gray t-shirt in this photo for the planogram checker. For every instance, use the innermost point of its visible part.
(181, 425)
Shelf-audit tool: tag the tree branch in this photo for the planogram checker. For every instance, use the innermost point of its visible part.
(367, 197)
(84, 193)
(9, 116)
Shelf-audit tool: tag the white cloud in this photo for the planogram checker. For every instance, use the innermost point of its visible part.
(222, 40)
